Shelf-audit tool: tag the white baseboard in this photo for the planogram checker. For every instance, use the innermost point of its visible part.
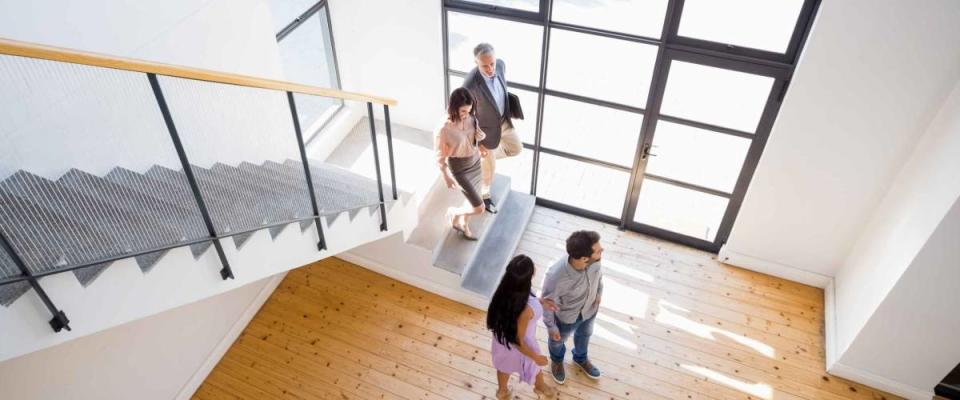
(455, 294)
(879, 382)
(189, 388)
(773, 268)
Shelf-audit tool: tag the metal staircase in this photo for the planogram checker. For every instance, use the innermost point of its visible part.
(161, 157)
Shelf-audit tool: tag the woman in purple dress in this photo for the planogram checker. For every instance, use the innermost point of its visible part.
(512, 317)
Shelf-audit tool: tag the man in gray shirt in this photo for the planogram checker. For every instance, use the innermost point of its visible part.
(575, 284)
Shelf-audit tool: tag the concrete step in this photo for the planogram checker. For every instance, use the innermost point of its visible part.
(453, 252)
(496, 248)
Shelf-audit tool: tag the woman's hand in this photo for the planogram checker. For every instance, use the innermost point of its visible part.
(483, 151)
(540, 359)
(451, 184)
(548, 304)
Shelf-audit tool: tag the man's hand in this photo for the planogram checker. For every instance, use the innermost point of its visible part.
(597, 301)
(548, 304)
(483, 151)
(555, 336)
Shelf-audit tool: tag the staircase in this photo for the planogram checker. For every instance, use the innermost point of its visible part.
(481, 263)
(118, 176)
(81, 218)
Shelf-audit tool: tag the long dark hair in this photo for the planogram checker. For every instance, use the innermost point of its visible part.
(510, 299)
(458, 98)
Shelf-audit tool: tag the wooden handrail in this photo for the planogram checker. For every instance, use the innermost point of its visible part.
(32, 50)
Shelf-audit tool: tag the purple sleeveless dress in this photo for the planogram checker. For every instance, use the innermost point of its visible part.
(511, 360)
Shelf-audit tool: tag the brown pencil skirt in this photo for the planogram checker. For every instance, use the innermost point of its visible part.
(466, 171)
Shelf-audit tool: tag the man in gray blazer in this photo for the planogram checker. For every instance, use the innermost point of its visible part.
(488, 84)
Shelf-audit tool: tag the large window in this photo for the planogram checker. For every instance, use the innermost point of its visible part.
(647, 113)
(306, 49)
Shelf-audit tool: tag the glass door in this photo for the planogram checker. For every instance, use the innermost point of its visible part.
(699, 150)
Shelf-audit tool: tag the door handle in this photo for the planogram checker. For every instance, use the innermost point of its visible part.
(646, 151)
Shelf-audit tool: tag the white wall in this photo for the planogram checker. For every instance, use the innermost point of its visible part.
(910, 341)
(58, 116)
(393, 48)
(151, 358)
(872, 76)
(919, 198)
(895, 298)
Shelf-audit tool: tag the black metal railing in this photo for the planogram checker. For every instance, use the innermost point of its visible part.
(199, 203)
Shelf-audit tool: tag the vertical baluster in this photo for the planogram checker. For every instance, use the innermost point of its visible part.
(225, 272)
(376, 163)
(322, 244)
(60, 320)
(393, 172)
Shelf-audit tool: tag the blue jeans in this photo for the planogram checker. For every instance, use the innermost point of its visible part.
(581, 340)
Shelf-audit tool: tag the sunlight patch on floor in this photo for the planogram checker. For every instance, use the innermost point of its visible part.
(668, 314)
(758, 389)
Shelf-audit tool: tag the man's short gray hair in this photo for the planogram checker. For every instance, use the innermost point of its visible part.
(482, 48)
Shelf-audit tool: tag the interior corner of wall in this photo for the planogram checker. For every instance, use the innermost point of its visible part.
(830, 328)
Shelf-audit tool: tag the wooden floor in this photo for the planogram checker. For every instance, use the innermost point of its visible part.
(674, 324)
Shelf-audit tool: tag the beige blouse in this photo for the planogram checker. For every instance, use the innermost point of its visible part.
(451, 141)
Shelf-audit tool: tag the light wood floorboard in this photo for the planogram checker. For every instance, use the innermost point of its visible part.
(674, 324)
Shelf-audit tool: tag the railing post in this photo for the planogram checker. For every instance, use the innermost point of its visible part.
(225, 272)
(376, 163)
(393, 171)
(322, 244)
(59, 321)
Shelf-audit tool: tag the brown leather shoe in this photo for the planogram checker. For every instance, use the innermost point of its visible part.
(558, 373)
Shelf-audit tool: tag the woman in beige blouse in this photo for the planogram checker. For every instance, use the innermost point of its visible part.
(458, 156)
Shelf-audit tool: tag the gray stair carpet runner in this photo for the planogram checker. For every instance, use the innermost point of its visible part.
(481, 263)
(483, 273)
(81, 218)
(453, 252)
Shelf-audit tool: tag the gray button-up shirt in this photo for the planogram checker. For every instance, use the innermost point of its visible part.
(575, 292)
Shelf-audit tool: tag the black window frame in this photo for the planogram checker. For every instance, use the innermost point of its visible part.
(292, 26)
(670, 46)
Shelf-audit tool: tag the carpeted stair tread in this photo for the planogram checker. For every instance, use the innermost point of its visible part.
(497, 247)
(453, 252)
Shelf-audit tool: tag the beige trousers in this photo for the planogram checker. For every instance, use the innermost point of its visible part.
(510, 146)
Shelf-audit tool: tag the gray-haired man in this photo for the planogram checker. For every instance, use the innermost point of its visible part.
(488, 84)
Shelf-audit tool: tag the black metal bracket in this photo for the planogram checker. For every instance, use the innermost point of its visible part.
(59, 321)
(322, 243)
(226, 272)
(376, 163)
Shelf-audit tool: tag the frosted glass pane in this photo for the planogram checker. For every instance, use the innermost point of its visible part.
(680, 210)
(517, 44)
(582, 185)
(635, 17)
(726, 98)
(758, 24)
(697, 156)
(591, 131)
(614, 70)
(526, 5)
(526, 127)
